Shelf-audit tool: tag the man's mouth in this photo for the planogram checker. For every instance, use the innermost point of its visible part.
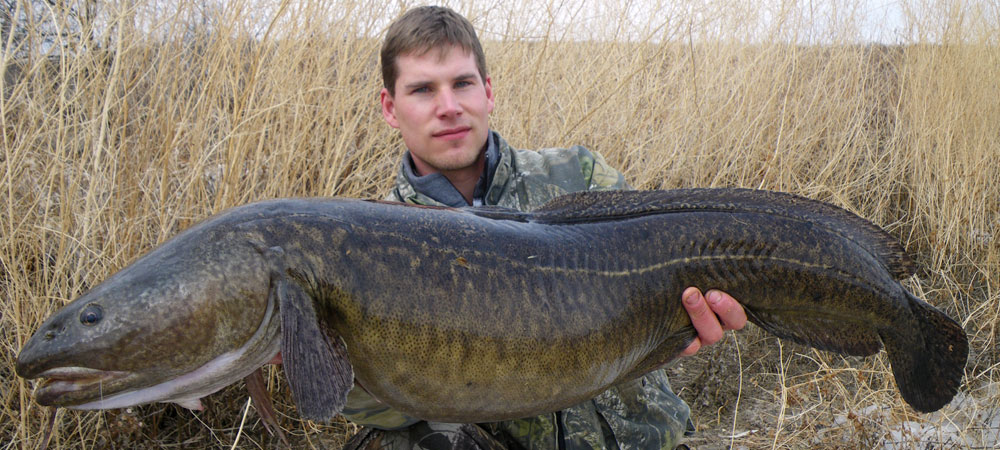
(452, 133)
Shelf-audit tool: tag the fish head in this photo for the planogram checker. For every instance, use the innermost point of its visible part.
(181, 322)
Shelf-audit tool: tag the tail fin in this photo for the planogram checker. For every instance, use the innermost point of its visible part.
(928, 370)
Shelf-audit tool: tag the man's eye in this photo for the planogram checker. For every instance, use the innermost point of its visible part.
(462, 84)
(420, 90)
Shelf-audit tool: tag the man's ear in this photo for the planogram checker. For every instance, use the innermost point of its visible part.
(488, 84)
(389, 107)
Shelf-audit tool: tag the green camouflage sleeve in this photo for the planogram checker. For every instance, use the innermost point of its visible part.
(599, 175)
(364, 410)
(636, 415)
(644, 413)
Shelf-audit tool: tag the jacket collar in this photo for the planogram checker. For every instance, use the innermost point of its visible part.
(436, 188)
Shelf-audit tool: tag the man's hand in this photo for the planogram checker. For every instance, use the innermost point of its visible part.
(711, 315)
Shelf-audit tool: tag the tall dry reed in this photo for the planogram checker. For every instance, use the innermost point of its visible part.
(142, 118)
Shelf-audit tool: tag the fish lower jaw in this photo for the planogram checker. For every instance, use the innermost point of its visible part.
(185, 390)
(61, 383)
(188, 388)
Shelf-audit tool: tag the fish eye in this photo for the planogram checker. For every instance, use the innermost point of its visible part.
(91, 314)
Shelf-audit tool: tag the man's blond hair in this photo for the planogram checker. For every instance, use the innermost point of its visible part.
(423, 29)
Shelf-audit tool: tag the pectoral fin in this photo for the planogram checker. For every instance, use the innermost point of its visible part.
(314, 359)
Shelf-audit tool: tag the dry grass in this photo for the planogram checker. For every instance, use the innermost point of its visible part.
(107, 153)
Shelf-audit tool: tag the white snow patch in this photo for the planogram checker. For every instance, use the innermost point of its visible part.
(967, 422)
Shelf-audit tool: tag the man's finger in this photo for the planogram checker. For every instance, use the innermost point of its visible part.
(702, 317)
(692, 348)
(729, 312)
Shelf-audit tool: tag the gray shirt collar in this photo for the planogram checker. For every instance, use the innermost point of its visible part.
(437, 186)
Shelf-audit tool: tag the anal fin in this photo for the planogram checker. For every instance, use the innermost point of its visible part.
(822, 331)
(669, 350)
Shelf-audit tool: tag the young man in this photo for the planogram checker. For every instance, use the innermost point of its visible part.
(439, 96)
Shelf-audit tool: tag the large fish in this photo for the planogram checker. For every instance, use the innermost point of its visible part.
(483, 314)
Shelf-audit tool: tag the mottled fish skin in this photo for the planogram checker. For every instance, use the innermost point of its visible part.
(472, 315)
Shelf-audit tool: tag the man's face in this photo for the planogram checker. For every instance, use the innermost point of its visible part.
(441, 108)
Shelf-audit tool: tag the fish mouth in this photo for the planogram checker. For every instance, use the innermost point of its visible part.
(68, 386)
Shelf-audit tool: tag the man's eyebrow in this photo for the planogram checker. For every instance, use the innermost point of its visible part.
(416, 84)
(466, 76)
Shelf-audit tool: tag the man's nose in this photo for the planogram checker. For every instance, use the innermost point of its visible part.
(448, 103)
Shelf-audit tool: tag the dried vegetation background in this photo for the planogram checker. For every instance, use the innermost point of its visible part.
(126, 122)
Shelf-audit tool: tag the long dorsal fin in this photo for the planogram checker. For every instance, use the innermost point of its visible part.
(488, 211)
(497, 213)
(595, 206)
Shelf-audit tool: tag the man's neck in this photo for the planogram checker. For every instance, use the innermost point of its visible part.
(464, 179)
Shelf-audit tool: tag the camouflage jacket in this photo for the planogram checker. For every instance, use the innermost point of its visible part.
(517, 179)
(640, 414)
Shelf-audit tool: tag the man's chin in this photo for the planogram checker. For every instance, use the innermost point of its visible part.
(450, 160)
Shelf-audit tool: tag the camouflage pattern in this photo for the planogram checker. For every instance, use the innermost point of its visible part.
(364, 410)
(425, 436)
(640, 414)
(526, 179)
